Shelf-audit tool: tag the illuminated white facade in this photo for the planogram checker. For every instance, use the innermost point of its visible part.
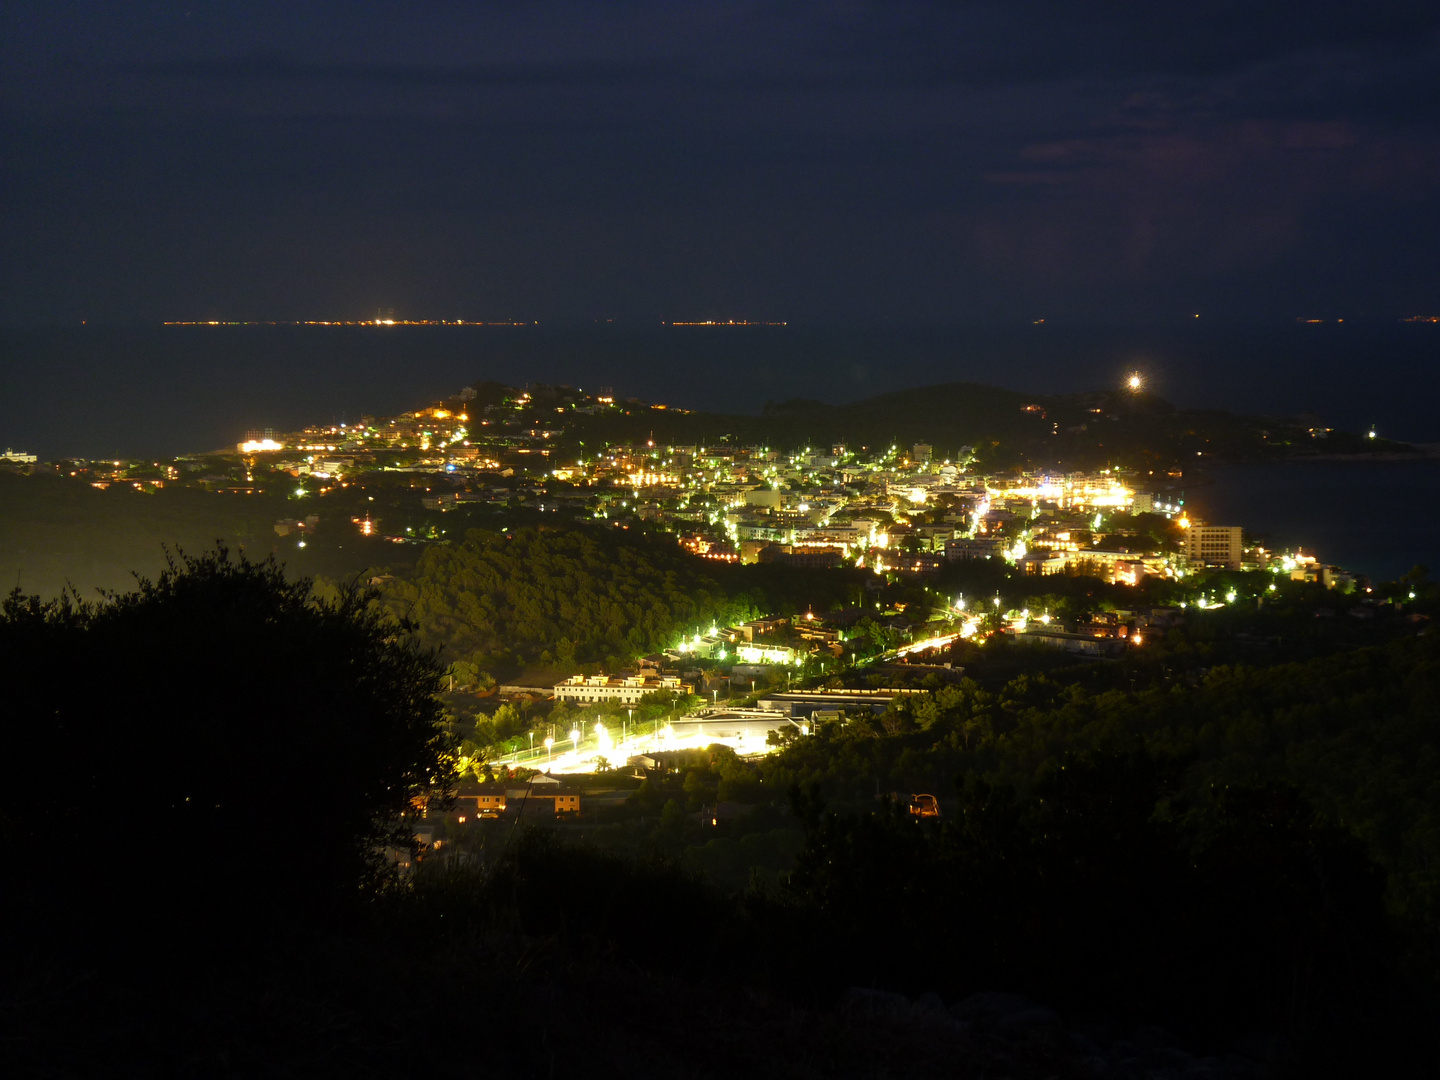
(1078, 492)
(624, 690)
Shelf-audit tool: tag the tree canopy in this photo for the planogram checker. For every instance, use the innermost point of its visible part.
(228, 734)
(585, 595)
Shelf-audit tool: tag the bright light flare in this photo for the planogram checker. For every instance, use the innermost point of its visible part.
(928, 643)
(1135, 382)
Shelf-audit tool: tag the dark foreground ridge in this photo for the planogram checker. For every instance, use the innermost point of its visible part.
(1222, 877)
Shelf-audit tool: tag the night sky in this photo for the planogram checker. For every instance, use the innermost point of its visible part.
(1126, 161)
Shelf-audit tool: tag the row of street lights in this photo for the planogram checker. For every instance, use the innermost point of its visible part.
(627, 729)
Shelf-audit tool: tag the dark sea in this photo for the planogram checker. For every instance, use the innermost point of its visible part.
(1378, 517)
(101, 391)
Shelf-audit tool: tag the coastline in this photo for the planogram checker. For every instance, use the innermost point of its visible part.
(1354, 511)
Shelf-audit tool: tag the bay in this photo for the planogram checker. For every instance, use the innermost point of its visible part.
(1377, 517)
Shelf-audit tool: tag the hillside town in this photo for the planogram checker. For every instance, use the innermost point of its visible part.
(893, 509)
(901, 512)
(904, 517)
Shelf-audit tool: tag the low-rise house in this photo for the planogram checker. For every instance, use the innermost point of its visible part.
(965, 550)
(544, 793)
(479, 800)
(1080, 644)
(804, 558)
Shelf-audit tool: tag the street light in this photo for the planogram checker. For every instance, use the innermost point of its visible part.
(549, 742)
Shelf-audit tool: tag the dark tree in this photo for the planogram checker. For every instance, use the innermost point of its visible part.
(218, 740)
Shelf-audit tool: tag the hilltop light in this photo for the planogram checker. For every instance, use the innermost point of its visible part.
(1134, 382)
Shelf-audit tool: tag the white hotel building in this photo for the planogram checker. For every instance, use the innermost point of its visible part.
(624, 690)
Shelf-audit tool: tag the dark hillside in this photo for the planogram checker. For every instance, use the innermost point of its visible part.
(1092, 429)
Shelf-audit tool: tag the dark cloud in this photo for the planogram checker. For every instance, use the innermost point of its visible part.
(861, 160)
(1047, 41)
(267, 67)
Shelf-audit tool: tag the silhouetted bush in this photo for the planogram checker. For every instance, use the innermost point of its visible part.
(217, 746)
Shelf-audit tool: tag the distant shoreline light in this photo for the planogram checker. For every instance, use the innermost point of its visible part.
(727, 322)
(347, 322)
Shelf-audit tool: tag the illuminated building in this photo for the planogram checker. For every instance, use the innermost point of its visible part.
(1077, 492)
(805, 558)
(1213, 545)
(916, 565)
(964, 550)
(761, 653)
(1122, 567)
(805, 703)
(1147, 502)
(483, 800)
(624, 690)
(1082, 644)
(1042, 562)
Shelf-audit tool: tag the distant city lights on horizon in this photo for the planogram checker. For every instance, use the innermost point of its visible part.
(349, 322)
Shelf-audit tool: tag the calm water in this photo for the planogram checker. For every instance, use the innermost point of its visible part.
(1377, 517)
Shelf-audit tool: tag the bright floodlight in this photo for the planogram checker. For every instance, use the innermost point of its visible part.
(1134, 381)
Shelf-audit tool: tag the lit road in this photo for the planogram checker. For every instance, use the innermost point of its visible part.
(744, 730)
